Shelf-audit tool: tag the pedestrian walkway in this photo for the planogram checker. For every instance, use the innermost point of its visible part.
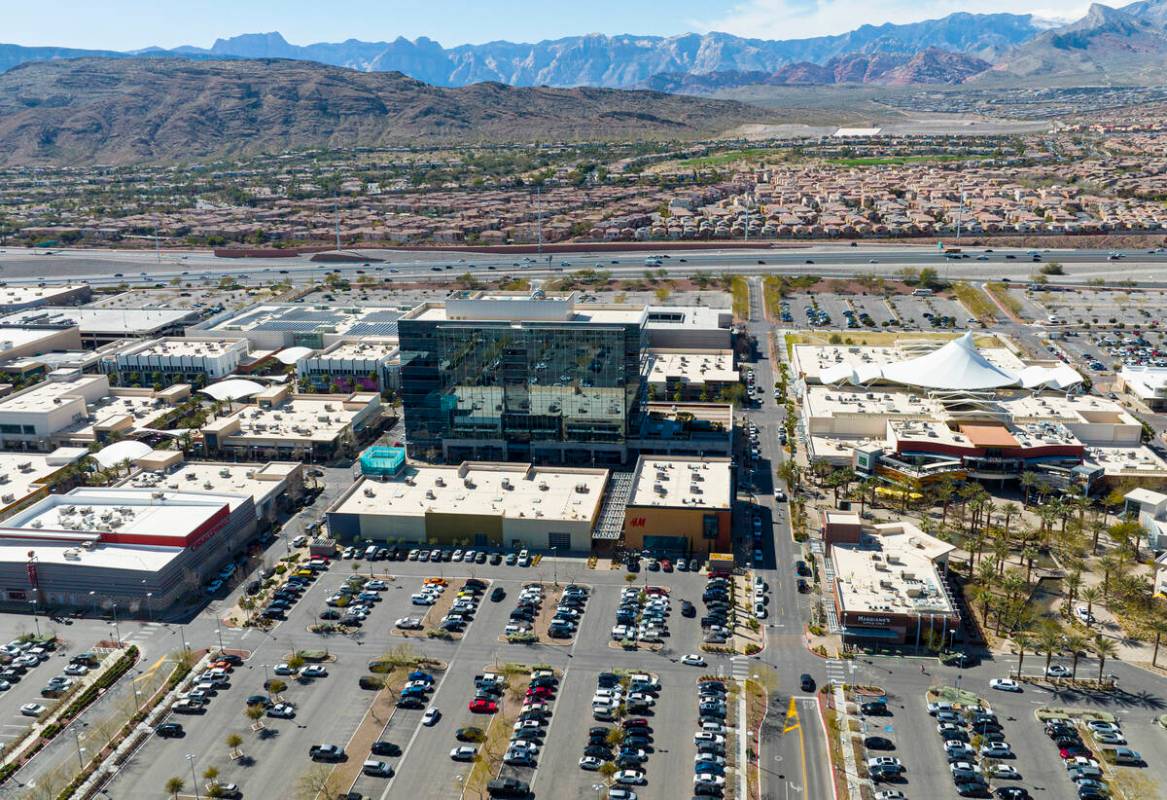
(741, 671)
(836, 671)
(850, 768)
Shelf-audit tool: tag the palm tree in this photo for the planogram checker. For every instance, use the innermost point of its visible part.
(174, 786)
(1028, 481)
(1023, 641)
(1158, 626)
(1049, 639)
(1010, 510)
(1028, 555)
(1073, 584)
(1076, 644)
(234, 740)
(1103, 648)
(1092, 594)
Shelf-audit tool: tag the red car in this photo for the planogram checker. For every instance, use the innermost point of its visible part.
(481, 706)
(635, 722)
(1073, 751)
(540, 691)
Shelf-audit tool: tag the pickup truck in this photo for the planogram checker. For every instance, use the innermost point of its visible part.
(326, 752)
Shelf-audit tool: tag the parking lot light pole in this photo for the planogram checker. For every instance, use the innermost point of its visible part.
(35, 621)
(77, 739)
(219, 630)
(191, 758)
(555, 565)
(149, 606)
(116, 630)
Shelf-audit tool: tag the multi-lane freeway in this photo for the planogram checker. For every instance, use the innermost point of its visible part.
(113, 266)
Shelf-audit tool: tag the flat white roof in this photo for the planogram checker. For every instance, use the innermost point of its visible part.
(358, 350)
(507, 490)
(260, 481)
(596, 315)
(12, 337)
(20, 472)
(43, 396)
(679, 482)
(96, 320)
(92, 512)
(893, 573)
(301, 418)
(192, 348)
(22, 295)
(696, 368)
(107, 556)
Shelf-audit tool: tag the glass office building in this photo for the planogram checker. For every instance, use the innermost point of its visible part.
(521, 378)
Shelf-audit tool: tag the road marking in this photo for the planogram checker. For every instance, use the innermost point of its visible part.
(791, 723)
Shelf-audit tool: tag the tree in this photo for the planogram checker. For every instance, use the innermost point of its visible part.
(1010, 510)
(1158, 626)
(1091, 594)
(211, 773)
(317, 781)
(608, 769)
(254, 712)
(1049, 639)
(174, 786)
(234, 741)
(295, 661)
(1076, 644)
(1023, 640)
(1103, 648)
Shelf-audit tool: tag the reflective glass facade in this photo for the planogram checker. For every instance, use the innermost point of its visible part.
(520, 390)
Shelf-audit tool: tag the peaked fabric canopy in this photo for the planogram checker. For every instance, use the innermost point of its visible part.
(956, 365)
(116, 453)
(291, 355)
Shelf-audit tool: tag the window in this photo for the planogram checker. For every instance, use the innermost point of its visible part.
(559, 541)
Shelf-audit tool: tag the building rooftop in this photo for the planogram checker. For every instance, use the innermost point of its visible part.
(15, 337)
(188, 348)
(22, 473)
(143, 517)
(1127, 461)
(305, 318)
(47, 395)
(697, 368)
(359, 350)
(482, 488)
(813, 360)
(702, 317)
(827, 401)
(260, 481)
(533, 307)
(318, 418)
(110, 321)
(678, 482)
(26, 295)
(893, 572)
(1080, 409)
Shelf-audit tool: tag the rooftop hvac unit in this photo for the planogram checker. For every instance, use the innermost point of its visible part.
(72, 554)
(157, 495)
(190, 476)
(24, 466)
(429, 495)
(208, 485)
(369, 492)
(4, 477)
(543, 486)
(581, 488)
(439, 481)
(506, 483)
(36, 523)
(8, 498)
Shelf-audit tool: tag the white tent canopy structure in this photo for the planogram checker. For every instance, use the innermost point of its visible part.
(116, 453)
(290, 355)
(957, 366)
(233, 389)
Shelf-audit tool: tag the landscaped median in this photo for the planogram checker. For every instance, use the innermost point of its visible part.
(50, 725)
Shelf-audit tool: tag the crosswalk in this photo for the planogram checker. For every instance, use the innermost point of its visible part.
(740, 668)
(836, 671)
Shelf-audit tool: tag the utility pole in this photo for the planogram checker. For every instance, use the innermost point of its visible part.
(336, 212)
(539, 216)
(960, 213)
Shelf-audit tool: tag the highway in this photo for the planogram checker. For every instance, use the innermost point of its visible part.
(112, 266)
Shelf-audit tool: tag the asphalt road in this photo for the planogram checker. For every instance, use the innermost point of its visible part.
(110, 267)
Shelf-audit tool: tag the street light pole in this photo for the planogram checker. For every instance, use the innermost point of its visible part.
(36, 621)
(149, 607)
(219, 630)
(116, 630)
(80, 749)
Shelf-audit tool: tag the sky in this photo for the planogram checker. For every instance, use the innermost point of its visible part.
(134, 24)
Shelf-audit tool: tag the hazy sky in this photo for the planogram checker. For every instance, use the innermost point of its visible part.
(132, 24)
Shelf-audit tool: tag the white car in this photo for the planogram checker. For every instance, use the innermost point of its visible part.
(422, 599)
(630, 777)
(408, 624)
(1085, 615)
(281, 711)
(1005, 772)
(709, 758)
(32, 709)
(760, 610)
(1057, 671)
(590, 763)
(693, 660)
(996, 750)
(314, 671)
(890, 794)
(1005, 685)
(709, 779)
(464, 753)
(283, 669)
(1100, 726)
(708, 737)
(431, 717)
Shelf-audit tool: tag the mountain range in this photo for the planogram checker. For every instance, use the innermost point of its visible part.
(126, 110)
(596, 60)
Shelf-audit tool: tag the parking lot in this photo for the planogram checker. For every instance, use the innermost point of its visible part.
(1105, 307)
(875, 312)
(330, 710)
